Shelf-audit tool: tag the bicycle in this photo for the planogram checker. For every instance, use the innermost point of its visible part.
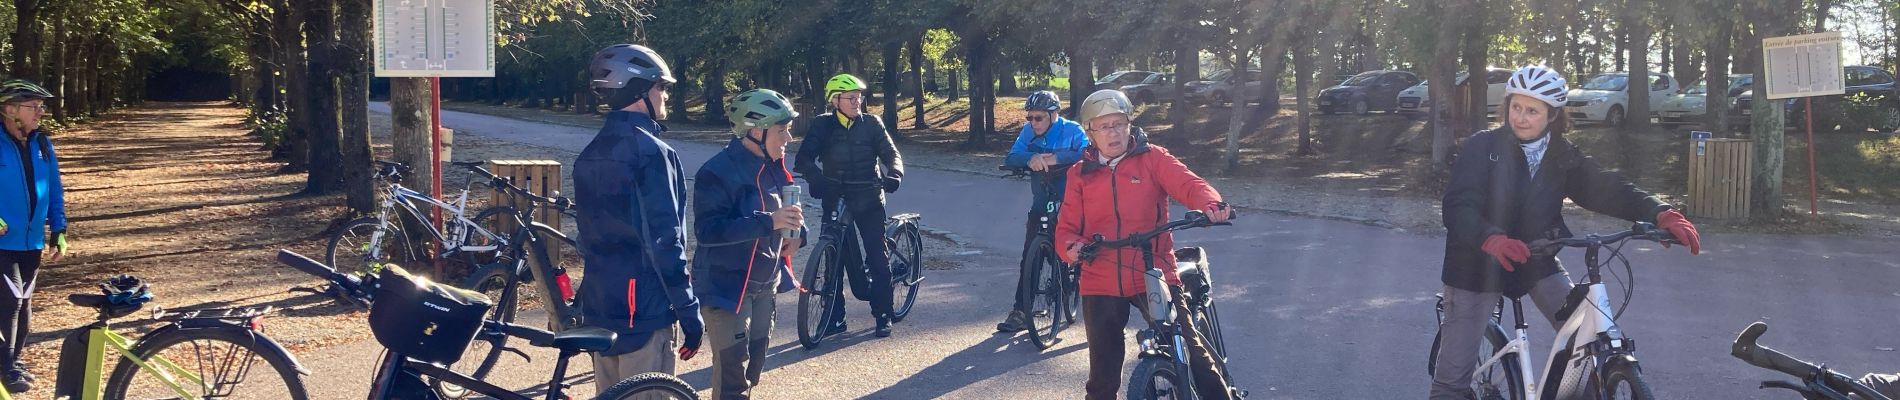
(532, 255)
(1051, 295)
(370, 235)
(824, 272)
(197, 354)
(1817, 381)
(1592, 356)
(1163, 370)
(401, 376)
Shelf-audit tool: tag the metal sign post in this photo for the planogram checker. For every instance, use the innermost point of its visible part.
(434, 39)
(1804, 66)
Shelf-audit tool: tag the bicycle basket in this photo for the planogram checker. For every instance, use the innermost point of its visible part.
(424, 320)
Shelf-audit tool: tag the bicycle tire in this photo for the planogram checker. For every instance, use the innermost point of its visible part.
(357, 260)
(1072, 297)
(814, 304)
(1043, 295)
(1156, 378)
(498, 279)
(651, 385)
(123, 384)
(497, 220)
(1513, 388)
(907, 247)
(1621, 374)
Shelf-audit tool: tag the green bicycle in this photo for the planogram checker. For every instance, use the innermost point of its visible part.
(197, 354)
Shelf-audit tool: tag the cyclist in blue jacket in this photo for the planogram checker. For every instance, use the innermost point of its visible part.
(1047, 143)
(631, 214)
(32, 200)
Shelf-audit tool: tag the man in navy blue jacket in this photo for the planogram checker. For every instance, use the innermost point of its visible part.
(748, 231)
(34, 201)
(631, 200)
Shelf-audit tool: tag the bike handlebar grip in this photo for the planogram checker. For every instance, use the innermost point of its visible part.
(305, 264)
(1747, 349)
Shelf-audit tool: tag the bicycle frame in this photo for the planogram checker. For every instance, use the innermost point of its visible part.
(399, 373)
(460, 230)
(1591, 333)
(98, 337)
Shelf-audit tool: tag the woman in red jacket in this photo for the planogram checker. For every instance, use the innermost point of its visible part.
(1121, 187)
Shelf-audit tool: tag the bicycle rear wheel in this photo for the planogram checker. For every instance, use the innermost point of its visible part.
(1500, 381)
(649, 386)
(907, 268)
(815, 303)
(1044, 294)
(349, 248)
(228, 363)
(1072, 296)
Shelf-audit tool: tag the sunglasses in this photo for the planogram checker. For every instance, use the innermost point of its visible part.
(1036, 118)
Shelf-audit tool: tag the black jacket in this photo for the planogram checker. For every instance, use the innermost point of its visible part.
(631, 193)
(861, 157)
(1491, 193)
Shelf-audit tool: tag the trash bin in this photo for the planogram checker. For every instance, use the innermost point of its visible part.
(1721, 173)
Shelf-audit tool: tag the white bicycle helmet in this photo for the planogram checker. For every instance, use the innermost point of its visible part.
(1539, 82)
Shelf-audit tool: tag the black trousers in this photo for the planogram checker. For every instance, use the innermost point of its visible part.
(866, 212)
(20, 268)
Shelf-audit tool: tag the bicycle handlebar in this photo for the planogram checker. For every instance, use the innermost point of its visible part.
(354, 287)
(1193, 219)
(1638, 231)
(1016, 172)
(1746, 349)
(499, 182)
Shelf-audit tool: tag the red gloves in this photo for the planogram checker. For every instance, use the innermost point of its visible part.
(1506, 250)
(1678, 226)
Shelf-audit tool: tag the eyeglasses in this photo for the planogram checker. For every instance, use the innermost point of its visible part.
(1035, 118)
(1119, 126)
(853, 99)
(40, 108)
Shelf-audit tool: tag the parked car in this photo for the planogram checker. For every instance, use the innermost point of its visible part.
(1221, 87)
(1366, 92)
(1690, 106)
(1416, 100)
(1122, 78)
(1157, 88)
(1604, 98)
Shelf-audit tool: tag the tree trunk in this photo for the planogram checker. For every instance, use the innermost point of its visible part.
(980, 82)
(353, 20)
(1230, 159)
(1272, 65)
(26, 38)
(85, 100)
(1477, 91)
(916, 50)
(1637, 32)
(1302, 92)
(56, 79)
(1686, 69)
(1080, 82)
(325, 130)
(1006, 79)
(264, 96)
(1716, 108)
(1769, 118)
(893, 53)
(1822, 9)
(1444, 65)
(815, 79)
(1187, 68)
(409, 135)
(955, 85)
(715, 84)
(294, 147)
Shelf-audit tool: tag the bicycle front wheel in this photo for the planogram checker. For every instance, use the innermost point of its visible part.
(907, 268)
(1625, 382)
(1043, 296)
(217, 363)
(349, 251)
(649, 386)
(496, 281)
(1156, 378)
(814, 304)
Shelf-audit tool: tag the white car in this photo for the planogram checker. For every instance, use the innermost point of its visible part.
(1689, 107)
(1604, 99)
(1416, 100)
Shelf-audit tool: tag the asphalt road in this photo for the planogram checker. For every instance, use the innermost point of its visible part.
(1312, 308)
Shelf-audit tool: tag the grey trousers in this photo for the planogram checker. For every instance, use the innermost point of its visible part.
(740, 342)
(1463, 331)
(657, 355)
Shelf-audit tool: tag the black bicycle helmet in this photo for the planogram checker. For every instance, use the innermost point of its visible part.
(1043, 100)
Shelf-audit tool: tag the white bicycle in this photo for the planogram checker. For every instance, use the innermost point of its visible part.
(381, 239)
(1592, 358)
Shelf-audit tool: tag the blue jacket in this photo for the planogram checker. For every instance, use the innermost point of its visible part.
(30, 204)
(630, 200)
(1065, 139)
(734, 195)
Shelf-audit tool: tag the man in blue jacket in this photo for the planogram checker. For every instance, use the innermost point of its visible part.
(631, 202)
(32, 200)
(1048, 144)
(748, 231)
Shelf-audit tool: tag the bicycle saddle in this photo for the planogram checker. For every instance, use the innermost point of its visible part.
(584, 339)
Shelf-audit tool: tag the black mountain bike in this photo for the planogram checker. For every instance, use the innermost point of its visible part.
(1817, 382)
(400, 377)
(838, 248)
(1164, 371)
(534, 255)
(1049, 284)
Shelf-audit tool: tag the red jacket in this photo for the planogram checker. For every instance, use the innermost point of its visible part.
(1117, 201)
